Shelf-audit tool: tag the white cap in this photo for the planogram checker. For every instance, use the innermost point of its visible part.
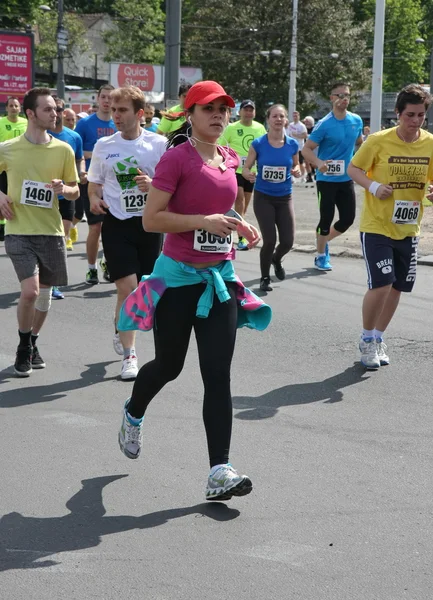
(82, 115)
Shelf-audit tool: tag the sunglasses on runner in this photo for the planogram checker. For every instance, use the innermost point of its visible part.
(342, 96)
(59, 109)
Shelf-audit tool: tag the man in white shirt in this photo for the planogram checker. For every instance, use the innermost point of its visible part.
(297, 130)
(121, 170)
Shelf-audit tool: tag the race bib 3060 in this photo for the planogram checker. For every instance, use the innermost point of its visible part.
(209, 242)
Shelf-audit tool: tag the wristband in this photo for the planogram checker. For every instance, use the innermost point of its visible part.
(374, 186)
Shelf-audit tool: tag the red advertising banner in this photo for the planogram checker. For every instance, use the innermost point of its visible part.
(16, 64)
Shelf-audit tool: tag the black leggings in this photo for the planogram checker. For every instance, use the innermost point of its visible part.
(216, 335)
(336, 194)
(274, 211)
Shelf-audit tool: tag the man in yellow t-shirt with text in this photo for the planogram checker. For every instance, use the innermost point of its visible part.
(39, 168)
(394, 167)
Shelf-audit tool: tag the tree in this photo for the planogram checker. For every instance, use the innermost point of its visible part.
(139, 33)
(405, 22)
(228, 44)
(16, 14)
(46, 50)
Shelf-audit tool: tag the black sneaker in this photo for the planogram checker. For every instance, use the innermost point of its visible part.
(37, 360)
(2, 232)
(92, 277)
(280, 273)
(23, 361)
(265, 284)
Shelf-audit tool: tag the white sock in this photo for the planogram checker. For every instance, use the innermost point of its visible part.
(92, 266)
(367, 333)
(324, 254)
(378, 334)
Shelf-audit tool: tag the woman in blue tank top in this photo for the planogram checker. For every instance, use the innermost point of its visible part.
(277, 157)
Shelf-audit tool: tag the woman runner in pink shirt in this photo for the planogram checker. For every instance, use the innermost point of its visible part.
(193, 285)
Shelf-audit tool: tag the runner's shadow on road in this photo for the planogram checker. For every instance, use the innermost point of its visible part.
(306, 272)
(8, 300)
(329, 391)
(22, 396)
(26, 541)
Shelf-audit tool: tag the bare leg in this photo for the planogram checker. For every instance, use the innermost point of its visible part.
(388, 309)
(323, 239)
(373, 307)
(125, 286)
(26, 303)
(92, 244)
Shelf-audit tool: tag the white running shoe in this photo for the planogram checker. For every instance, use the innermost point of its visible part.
(369, 356)
(129, 368)
(381, 352)
(117, 344)
(130, 436)
(225, 482)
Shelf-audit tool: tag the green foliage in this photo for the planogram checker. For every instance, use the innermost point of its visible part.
(90, 6)
(138, 35)
(226, 42)
(46, 50)
(403, 58)
(16, 14)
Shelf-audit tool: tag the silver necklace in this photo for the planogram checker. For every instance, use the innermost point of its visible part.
(406, 141)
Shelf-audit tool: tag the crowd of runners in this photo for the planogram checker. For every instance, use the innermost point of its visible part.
(170, 201)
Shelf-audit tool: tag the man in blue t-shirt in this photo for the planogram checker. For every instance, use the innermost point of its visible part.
(91, 129)
(149, 113)
(335, 137)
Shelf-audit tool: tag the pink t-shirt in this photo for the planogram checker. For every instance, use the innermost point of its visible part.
(197, 189)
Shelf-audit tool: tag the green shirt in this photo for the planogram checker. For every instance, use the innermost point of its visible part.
(239, 138)
(167, 126)
(9, 130)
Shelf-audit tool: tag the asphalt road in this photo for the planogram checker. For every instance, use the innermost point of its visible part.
(341, 460)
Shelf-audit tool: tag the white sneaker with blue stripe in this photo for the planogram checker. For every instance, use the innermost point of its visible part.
(381, 352)
(369, 356)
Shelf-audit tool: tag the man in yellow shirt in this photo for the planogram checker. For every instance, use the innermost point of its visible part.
(37, 165)
(167, 124)
(12, 125)
(393, 166)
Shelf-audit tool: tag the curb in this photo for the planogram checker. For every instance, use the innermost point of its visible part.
(353, 253)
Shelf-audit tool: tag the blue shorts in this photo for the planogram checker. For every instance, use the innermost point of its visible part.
(390, 262)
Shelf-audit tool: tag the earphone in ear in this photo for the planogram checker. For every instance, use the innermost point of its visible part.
(189, 120)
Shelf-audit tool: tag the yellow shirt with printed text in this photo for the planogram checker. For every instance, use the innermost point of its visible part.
(407, 168)
(22, 161)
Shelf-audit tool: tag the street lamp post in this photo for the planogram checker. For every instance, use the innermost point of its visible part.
(376, 85)
(293, 59)
(430, 110)
(62, 44)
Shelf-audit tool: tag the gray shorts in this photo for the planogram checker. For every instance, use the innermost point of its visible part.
(38, 254)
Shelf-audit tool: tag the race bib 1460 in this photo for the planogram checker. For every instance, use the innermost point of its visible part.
(36, 193)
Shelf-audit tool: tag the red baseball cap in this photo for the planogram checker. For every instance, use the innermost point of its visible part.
(204, 92)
